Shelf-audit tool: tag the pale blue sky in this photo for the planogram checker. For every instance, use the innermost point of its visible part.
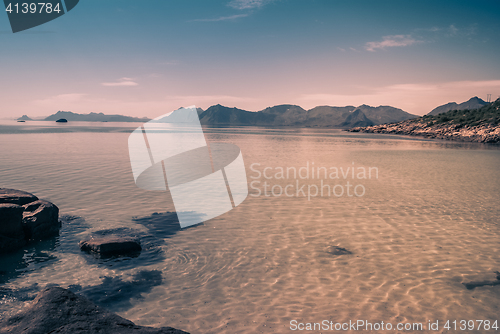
(145, 58)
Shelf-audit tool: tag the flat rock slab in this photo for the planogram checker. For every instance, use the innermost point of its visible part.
(57, 310)
(111, 245)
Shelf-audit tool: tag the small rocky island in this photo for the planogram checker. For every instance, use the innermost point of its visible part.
(479, 125)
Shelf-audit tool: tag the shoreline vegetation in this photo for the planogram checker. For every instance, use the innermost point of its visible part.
(477, 125)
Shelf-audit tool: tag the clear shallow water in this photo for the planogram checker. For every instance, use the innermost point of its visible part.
(428, 223)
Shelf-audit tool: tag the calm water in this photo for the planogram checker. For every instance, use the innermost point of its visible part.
(427, 223)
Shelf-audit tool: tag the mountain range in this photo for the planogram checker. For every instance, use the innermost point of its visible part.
(473, 103)
(285, 115)
(293, 115)
(93, 117)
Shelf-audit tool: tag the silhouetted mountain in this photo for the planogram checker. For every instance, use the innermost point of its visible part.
(24, 118)
(328, 116)
(225, 116)
(357, 118)
(385, 114)
(93, 117)
(292, 115)
(473, 103)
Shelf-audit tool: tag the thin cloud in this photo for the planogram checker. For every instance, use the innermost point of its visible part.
(391, 41)
(61, 98)
(222, 18)
(123, 82)
(248, 4)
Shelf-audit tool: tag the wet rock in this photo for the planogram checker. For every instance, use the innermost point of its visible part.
(11, 227)
(111, 245)
(476, 284)
(40, 220)
(57, 310)
(24, 218)
(16, 196)
(336, 250)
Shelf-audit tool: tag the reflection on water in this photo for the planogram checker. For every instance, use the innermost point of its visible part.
(400, 252)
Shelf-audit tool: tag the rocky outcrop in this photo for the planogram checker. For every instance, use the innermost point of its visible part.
(477, 125)
(486, 133)
(57, 310)
(24, 219)
(109, 245)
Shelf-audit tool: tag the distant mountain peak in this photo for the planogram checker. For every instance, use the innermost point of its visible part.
(475, 98)
(24, 118)
(473, 103)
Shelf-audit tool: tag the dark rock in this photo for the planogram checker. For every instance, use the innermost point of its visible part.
(11, 227)
(336, 250)
(25, 218)
(62, 120)
(40, 220)
(57, 310)
(11, 220)
(476, 284)
(111, 245)
(16, 196)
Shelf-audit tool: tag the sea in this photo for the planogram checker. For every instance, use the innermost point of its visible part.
(338, 228)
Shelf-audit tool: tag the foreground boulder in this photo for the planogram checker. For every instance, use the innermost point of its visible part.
(108, 245)
(57, 310)
(11, 223)
(24, 218)
(41, 220)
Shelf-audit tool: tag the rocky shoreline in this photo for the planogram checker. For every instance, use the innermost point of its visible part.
(480, 133)
(478, 125)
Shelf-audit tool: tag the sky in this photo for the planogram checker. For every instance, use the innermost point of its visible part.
(147, 58)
